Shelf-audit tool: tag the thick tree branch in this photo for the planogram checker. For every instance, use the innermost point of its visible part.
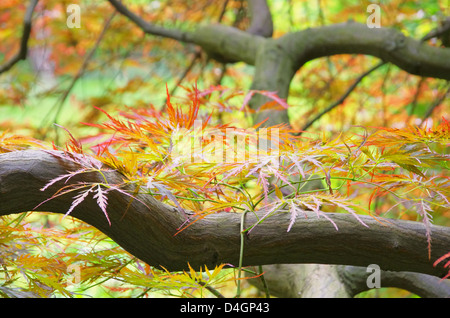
(390, 45)
(148, 231)
(261, 19)
(22, 54)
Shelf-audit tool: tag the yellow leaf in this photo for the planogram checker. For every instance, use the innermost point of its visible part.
(278, 192)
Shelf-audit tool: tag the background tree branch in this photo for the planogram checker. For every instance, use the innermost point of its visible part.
(277, 60)
(261, 19)
(390, 45)
(148, 27)
(22, 54)
(420, 284)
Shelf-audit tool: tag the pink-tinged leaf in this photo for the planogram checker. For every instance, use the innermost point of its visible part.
(81, 159)
(102, 200)
(270, 209)
(329, 219)
(314, 162)
(318, 205)
(272, 95)
(60, 193)
(131, 196)
(165, 193)
(297, 164)
(262, 179)
(74, 145)
(68, 176)
(78, 199)
(440, 259)
(294, 210)
(316, 208)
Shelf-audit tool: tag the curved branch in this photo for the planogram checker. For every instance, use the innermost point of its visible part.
(149, 231)
(390, 45)
(22, 54)
(422, 285)
(148, 27)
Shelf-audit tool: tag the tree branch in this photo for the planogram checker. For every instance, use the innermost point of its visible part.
(390, 45)
(148, 231)
(343, 97)
(148, 27)
(422, 285)
(22, 54)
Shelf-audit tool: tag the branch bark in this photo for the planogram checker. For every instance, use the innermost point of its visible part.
(148, 231)
(277, 60)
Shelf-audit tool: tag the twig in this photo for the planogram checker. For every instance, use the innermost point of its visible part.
(212, 290)
(81, 70)
(197, 55)
(438, 31)
(343, 97)
(437, 102)
(22, 54)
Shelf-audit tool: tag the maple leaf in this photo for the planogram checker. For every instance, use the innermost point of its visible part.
(102, 200)
(10, 143)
